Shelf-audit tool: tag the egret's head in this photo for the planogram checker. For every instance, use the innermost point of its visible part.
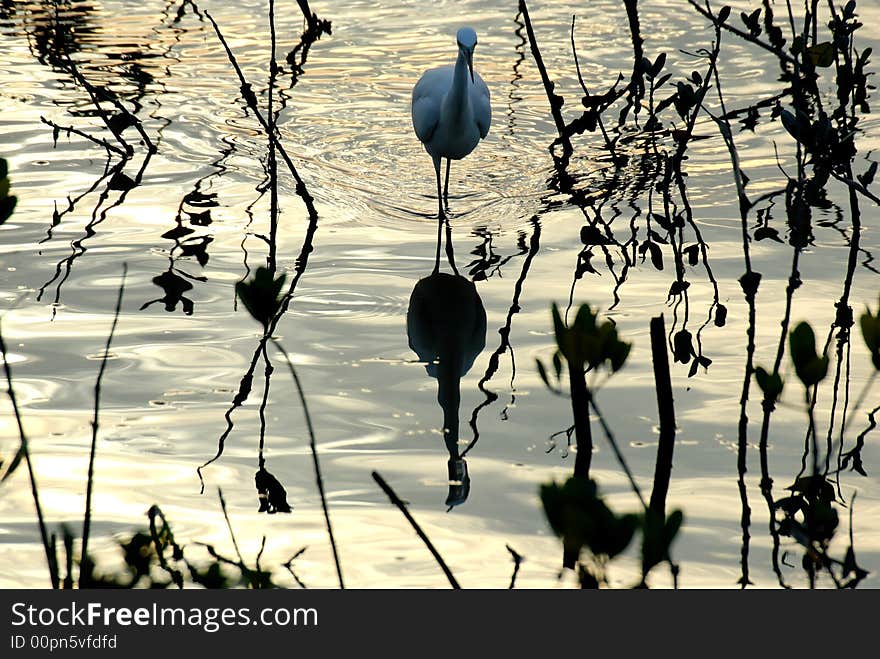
(467, 41)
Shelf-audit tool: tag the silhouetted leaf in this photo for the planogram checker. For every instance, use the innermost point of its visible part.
(656, 255)
(723, 14)
(870, 326)
(810, 368)
(750, 121)
(662, 80)
(177, 232)
(752, 22)
(119, 122)
(822, 54)
(584, 264)
(588, 344)
(619, 351)
(749, 283)
(677, 288)
(542, 372)
(9, 469)
(685, 99)
(770, 384)
(763, 233)
(7, 205)
(557, 365)
(581, 518)
(720, 315)
(657, 537)
(591, 235)
(121, 182)
(260, 295)
(682, 346)
(866, 178)
(658, 64)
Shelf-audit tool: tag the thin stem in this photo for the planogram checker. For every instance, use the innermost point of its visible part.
(229, 526)
(617, 453)
(44, 536)
(90, 478)
(250, 98)
(401, 506)
(314, 448)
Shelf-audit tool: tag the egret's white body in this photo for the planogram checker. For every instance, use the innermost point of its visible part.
(451, 112)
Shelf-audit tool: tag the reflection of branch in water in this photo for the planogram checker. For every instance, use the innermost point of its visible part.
(512, 97)
(504, 332)
(197, 206)
(246, 382)
(57, 215)
(301, 262)
(554, 99)
(749, 284)
(855, 455)
(118, 182)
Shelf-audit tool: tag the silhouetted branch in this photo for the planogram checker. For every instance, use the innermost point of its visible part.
(666, 410)
(57, 129)
(314, 448)
(51, 560)
(250, 99)
(401, 506)
(517, 560)
(90, 479)
(555, 99)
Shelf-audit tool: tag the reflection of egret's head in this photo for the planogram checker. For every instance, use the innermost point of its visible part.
(446, 324)
(459, 482)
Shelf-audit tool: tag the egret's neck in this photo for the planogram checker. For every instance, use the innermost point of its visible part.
(457, 97)
(449, 397)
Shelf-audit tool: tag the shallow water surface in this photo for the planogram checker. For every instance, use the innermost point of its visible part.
(197, 220)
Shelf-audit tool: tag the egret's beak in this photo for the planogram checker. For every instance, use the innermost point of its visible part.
(470, 61)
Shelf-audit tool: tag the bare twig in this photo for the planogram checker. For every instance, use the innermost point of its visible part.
(401, 506)
(554, 98)
(250, 98)
(50, 553)
(313, 446)
(90, 479)
(517, 561)
(75, 131)
(229, 526)
(778, 52)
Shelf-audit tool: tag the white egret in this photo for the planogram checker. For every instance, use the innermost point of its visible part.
(450, 109)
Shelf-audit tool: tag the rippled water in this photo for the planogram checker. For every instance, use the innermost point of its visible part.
(195, 222)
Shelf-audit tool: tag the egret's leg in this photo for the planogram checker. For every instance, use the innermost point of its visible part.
(439, 195)
(439, 241)
(446, 185)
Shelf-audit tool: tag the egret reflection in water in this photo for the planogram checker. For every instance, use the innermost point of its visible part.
(446, 328)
